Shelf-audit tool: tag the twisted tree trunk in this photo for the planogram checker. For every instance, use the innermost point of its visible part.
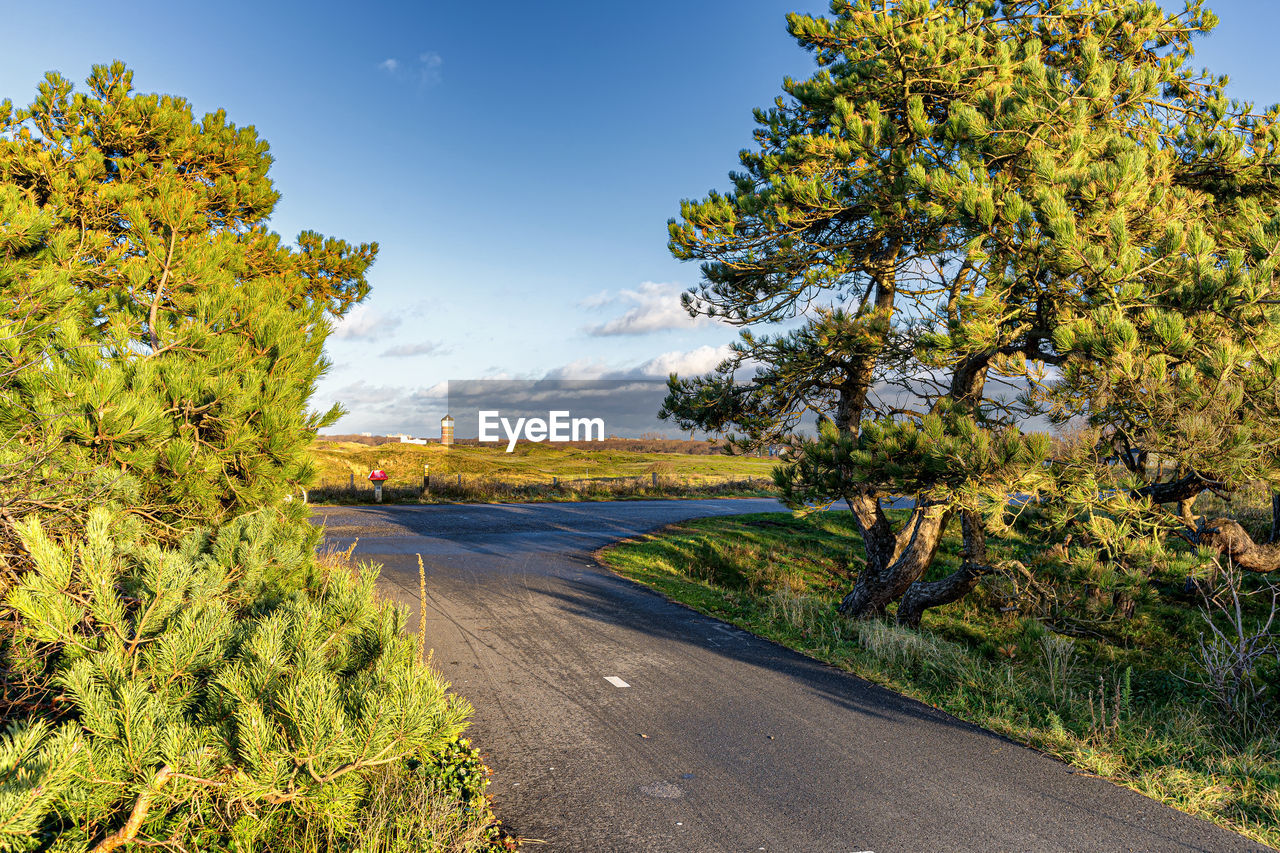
(1231, 540)
(922, 595)
(1224, 535)
(895, 561)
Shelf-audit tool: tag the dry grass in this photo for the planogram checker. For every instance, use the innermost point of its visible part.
(489, 490)
(532, 472)
(404, 812)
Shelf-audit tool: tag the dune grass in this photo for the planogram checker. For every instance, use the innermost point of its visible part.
(533, 472)
(1114, 697)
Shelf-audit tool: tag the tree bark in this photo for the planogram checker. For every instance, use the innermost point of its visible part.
(1186, 511)
(1275, 517)
(894, 560)
(921, 595)
(1174, 491)
(1231, 540)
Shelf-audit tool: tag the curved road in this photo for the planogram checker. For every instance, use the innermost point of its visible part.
(721, 741)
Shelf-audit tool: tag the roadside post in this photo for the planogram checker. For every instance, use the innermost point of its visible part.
(377, 477)
(426, 476)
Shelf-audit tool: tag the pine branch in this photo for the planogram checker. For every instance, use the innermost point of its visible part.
(141, 806)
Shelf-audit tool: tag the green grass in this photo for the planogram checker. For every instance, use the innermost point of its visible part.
(1107, 695)
(533, 472)
(405, 811)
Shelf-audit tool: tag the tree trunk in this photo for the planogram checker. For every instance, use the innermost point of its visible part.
(1186, 511)
(894, 561)
(1231, 540)
(1275, 518)
(921, 595)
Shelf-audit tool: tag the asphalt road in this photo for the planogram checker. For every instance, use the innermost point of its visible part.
(721, 741)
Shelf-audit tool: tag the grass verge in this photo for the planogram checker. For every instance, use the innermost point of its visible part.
(499, 491)
(1111, 697)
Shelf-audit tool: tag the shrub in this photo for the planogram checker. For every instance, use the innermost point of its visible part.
(176, 668)
(173, 693)
(159, 342)
(1234, 655)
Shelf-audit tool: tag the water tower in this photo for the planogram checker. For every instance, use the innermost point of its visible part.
(446, 430)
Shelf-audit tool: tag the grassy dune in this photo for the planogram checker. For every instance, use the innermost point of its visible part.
(528, 473)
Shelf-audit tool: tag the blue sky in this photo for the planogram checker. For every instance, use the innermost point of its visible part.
(517, 162)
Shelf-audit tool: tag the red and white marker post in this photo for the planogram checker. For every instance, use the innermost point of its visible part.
(377, 477)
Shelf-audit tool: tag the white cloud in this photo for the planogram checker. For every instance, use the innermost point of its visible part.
(427, 70)
(363, 323)
(696, 362)
(365, 396)
(389, 408)
(583, 368)
(439, 391)
(417, 409)
(655, 307)
(597, 300)
(409, 350)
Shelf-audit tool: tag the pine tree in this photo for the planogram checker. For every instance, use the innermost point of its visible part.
(176, 667)
(161, 343)
(937, 201)
(1174, 345)
(187, 688)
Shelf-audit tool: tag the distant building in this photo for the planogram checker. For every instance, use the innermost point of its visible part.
(404, 439)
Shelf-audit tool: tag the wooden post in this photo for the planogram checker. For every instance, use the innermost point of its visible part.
(655, 479)
(426, 477)
(353, 481)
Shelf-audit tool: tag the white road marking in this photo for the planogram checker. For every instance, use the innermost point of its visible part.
(616, 681)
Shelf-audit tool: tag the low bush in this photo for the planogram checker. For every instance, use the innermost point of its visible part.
(210, 696)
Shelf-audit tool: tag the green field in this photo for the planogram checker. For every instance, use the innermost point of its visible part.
(1112, 695)
(531, 472)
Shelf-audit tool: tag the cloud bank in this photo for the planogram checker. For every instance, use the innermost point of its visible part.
(417, 410)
